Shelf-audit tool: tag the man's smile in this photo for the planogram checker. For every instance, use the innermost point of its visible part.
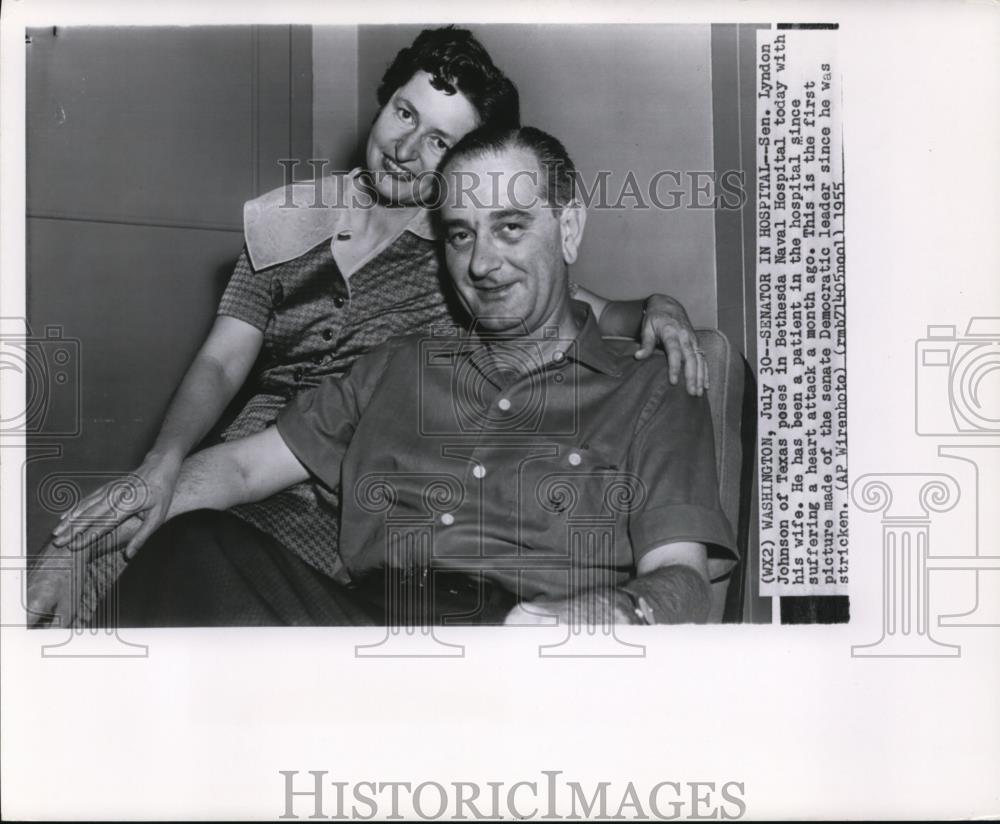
(494, 292)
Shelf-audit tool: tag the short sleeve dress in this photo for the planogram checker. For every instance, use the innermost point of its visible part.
(316, 322)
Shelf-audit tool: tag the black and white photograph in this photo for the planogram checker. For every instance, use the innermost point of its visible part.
(387, 393)
(528, 461)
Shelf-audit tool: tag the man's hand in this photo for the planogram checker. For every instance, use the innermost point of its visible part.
(56, 580)
(665, 322)
(591, 608)
(144, 495)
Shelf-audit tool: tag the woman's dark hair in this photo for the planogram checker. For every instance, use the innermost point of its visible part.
(456, 62)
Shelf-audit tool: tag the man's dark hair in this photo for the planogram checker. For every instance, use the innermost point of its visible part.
(558, 183)
(456, 62)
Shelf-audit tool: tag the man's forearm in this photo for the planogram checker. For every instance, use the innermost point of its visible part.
(674, 594)
(236, 472)
(211, 479)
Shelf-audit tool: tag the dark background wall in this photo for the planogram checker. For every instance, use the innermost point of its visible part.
(144, 144)
(142, 147)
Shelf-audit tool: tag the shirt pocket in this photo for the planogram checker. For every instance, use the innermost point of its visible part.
(577, 498)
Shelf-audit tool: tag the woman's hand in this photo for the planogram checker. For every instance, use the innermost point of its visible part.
(665, 322)
(144, 495)
(55, 582)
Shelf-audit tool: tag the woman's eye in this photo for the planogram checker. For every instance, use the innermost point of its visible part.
(439, 145)
(404, 114)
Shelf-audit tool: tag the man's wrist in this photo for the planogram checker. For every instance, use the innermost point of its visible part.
(634, 607)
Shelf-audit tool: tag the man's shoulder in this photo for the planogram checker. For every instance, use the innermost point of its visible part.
(622, 350)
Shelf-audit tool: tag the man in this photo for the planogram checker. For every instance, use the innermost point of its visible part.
(527, 470)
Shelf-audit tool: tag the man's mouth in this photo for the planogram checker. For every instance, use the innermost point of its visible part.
(494, 292)
(393, 168)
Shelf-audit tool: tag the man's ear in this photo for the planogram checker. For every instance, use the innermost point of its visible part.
(572, 219)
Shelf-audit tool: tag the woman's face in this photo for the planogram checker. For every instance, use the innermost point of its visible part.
(410, 136)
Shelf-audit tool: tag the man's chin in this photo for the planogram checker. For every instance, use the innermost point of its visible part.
(500, 326)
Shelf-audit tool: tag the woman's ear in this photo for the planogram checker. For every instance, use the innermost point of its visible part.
(572, 219)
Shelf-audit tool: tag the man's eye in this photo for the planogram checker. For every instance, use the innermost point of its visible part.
(511, 229)
(459, 239)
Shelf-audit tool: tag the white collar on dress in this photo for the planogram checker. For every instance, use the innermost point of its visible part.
(291, 220)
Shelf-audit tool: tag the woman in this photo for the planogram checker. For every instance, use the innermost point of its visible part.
(315, 288)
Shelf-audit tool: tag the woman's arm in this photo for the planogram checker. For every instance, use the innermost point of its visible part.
(657, 319)
(215, 375)
(210, 383)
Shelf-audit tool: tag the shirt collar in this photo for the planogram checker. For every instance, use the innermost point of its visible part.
(290, 220)
(588, 349)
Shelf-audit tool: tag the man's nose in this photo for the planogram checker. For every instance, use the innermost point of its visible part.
(485, 259)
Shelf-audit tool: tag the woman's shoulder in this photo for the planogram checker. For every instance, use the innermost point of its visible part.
(289, 221)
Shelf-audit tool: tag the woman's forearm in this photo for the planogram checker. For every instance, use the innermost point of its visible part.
(195, 407)
(210, 383)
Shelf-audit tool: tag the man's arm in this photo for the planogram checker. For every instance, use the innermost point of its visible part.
(236, 472)
(232, 473)
(671, 587)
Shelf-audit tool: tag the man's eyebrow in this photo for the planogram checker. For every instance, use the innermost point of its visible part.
(506, 214)
(455, 221)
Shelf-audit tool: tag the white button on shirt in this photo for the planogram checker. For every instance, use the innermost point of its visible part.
(504, 404)
(447, 519)
(479, 471)
(574, 458)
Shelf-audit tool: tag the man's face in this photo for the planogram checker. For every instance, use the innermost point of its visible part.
(410, 136)
(506, 249)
